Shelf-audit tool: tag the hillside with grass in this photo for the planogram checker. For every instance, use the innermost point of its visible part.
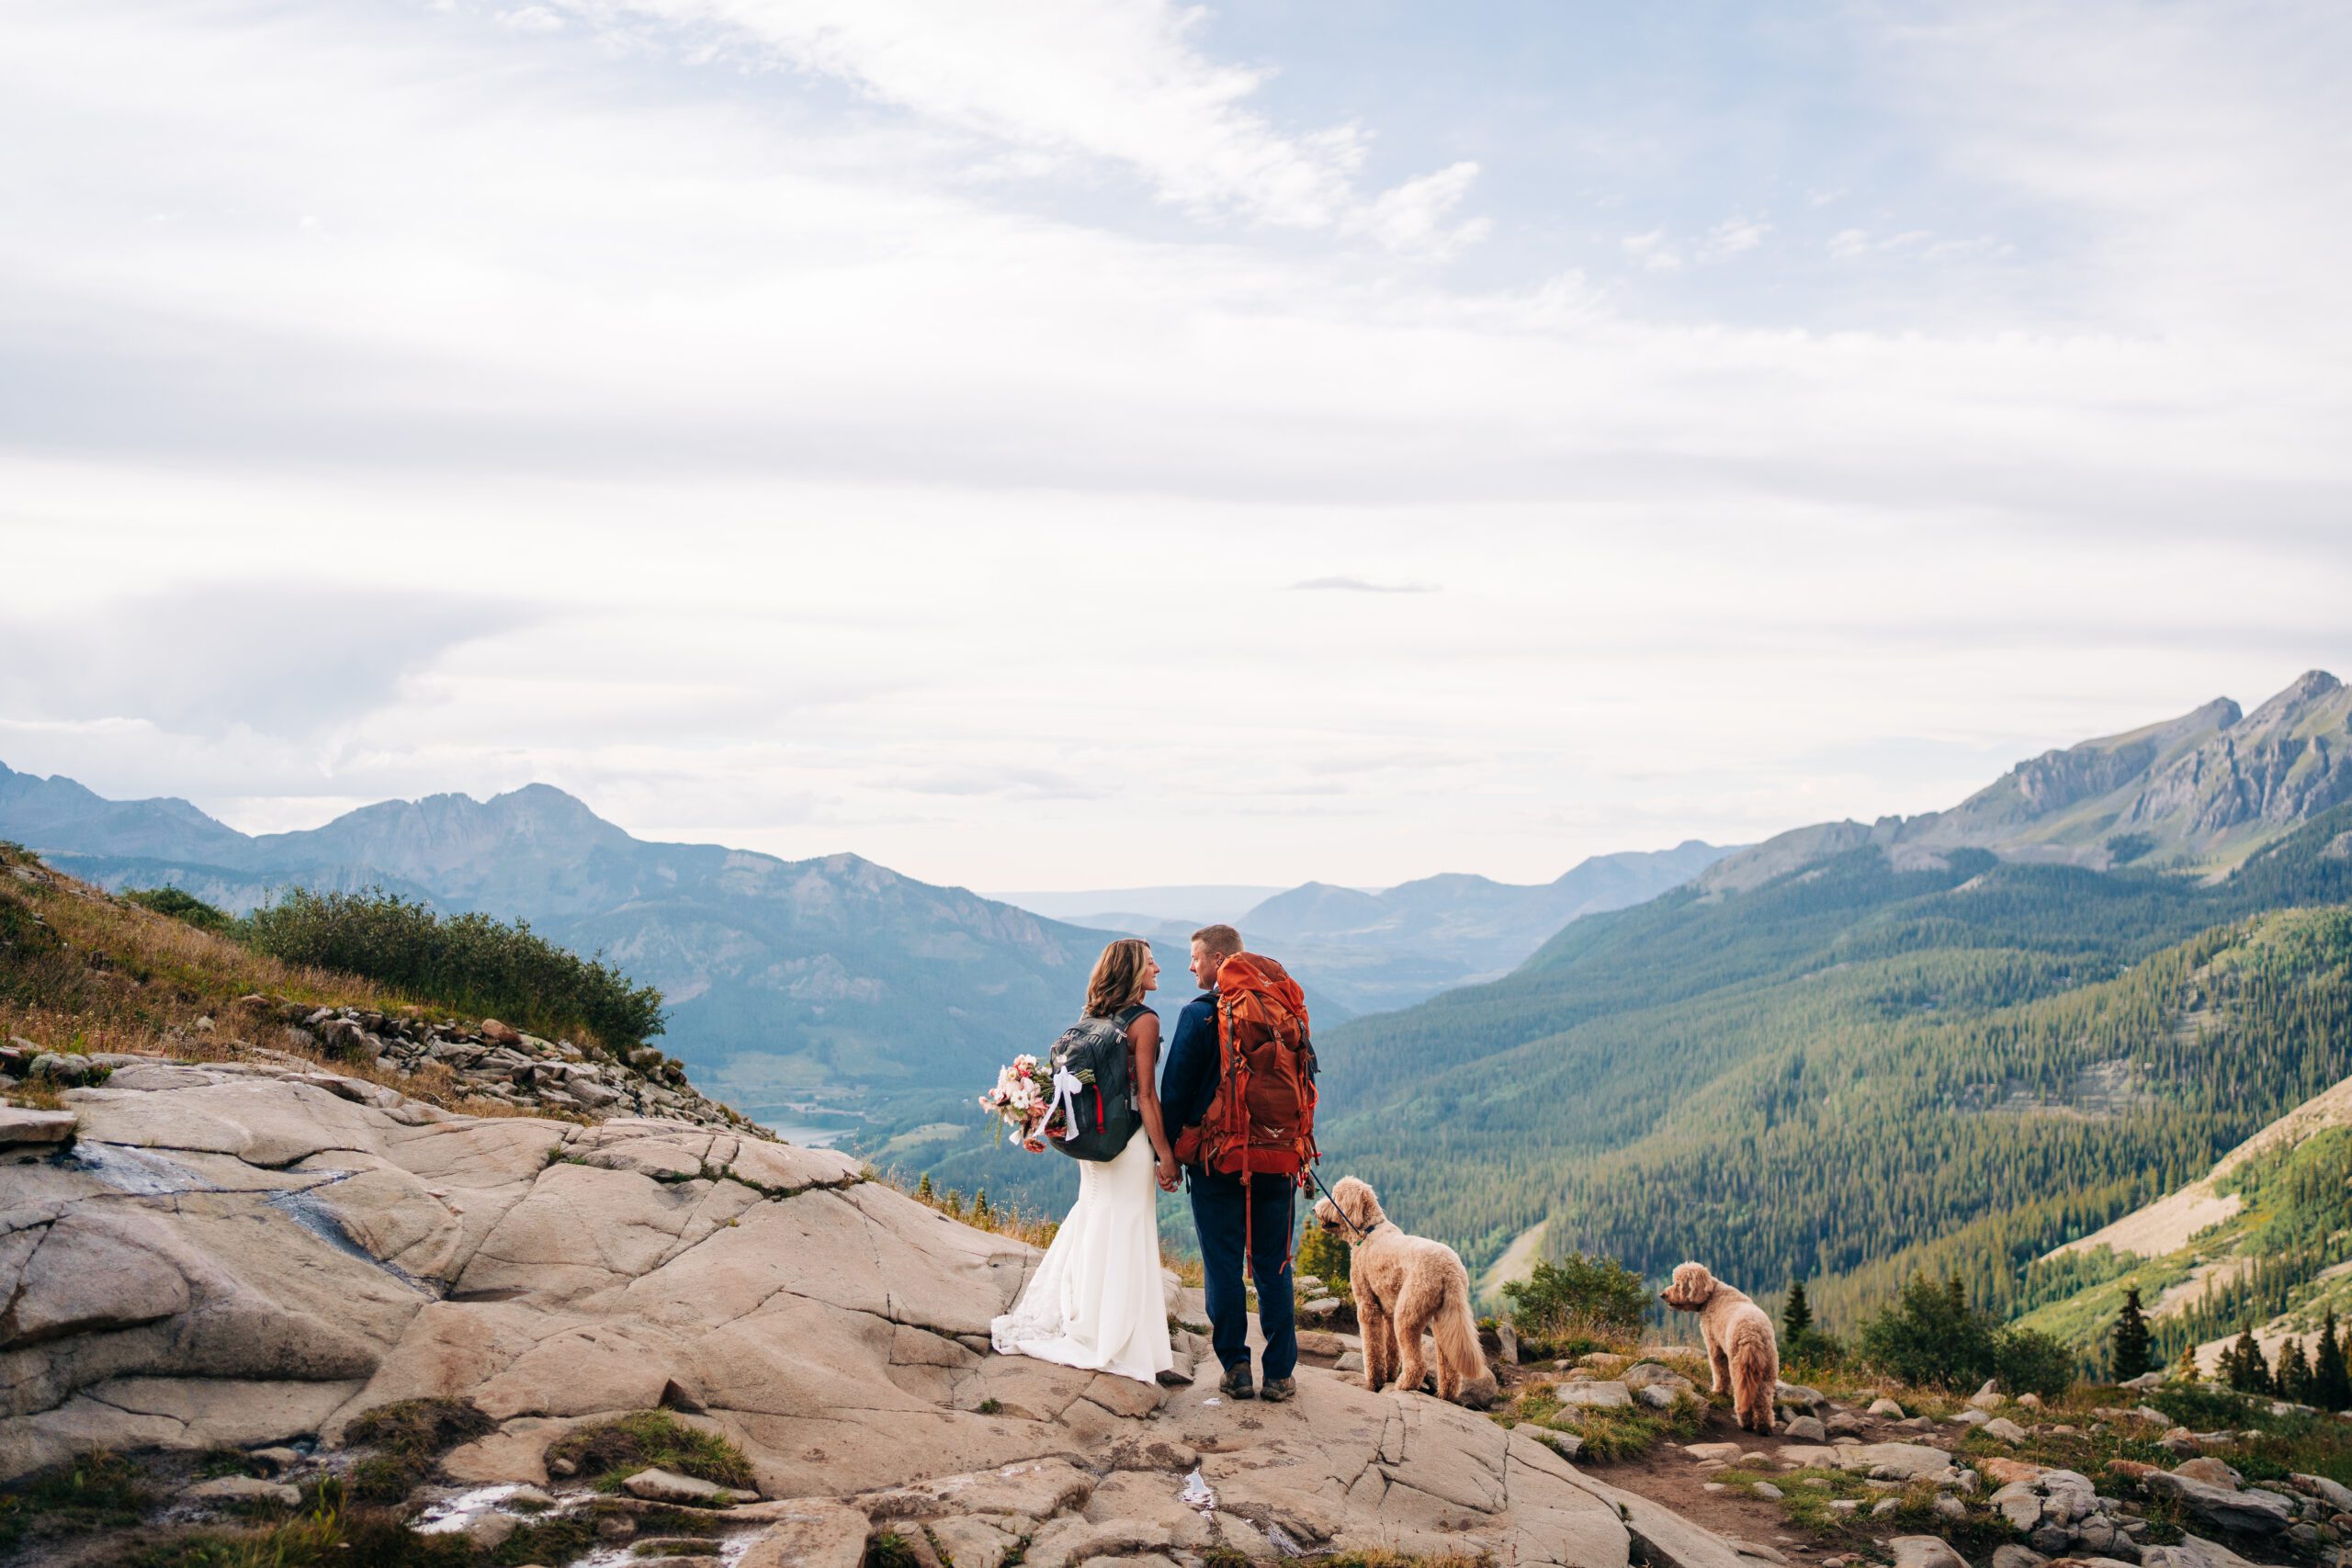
(2261, 1244)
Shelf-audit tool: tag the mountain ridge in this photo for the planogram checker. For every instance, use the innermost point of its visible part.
(2199, 792)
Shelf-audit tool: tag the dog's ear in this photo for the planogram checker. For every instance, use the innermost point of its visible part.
(1362, 1204)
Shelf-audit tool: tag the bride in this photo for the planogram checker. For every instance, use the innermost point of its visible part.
(1095, 1301)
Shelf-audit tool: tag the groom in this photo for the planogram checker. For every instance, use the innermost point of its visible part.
(1223, 1210)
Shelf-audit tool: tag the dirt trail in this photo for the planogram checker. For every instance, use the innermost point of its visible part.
(1668, 1475)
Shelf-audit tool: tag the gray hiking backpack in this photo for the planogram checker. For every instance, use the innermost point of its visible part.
(1103, 1111)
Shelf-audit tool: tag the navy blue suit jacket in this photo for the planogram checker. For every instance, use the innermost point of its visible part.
(1188, 1078)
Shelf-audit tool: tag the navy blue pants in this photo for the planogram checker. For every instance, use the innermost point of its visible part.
(1218, 1216)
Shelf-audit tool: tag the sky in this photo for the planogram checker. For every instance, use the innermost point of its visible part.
(1096, 442)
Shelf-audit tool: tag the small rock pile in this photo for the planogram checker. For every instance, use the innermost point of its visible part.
(498, 1062)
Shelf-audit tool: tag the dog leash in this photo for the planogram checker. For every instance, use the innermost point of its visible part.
(1361, 1233)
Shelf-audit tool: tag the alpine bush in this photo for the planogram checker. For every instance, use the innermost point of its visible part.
(1930, 1335)
(471, 963)
(180, 904)
(1578, 1295)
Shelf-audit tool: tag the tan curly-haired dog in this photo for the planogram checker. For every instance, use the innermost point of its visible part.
(1740, 1346)
(1405, 1284)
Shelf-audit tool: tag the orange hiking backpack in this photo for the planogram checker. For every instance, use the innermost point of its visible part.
(1262, 1119)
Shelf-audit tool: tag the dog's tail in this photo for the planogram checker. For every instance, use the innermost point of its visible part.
(1755, 1359)
(1457, 1346)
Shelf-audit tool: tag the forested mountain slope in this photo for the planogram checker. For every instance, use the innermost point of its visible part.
(1851, 1069)
(2258, 1241)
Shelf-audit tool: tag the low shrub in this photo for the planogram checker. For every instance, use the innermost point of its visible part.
(1578, 1295)
(409, 1436)
(2029, 1362)
(471, 963)
(180, 905)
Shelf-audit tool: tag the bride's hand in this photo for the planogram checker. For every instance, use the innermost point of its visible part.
(1171, 1174)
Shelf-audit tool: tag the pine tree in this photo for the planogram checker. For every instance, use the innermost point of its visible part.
(2244, 1367)
(922, 1188)
(2331, 1383)
(2294, 1377)
(980, 1204)
(2185, 1370)
(2130, 1356)
(1796, 1321)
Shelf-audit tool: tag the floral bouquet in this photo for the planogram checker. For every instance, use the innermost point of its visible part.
(1025, 1099)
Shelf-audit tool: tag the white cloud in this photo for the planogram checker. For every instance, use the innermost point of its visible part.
(1119, 80)
(1735, 236)
(1651, 251)
(792, 455)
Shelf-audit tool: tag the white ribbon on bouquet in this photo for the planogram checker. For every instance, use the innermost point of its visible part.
(1066, 1087)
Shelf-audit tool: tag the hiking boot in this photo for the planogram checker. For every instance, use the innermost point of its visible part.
(1238, 1383)
(1277, 1390)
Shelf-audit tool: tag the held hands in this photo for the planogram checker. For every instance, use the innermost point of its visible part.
(1170, 1175)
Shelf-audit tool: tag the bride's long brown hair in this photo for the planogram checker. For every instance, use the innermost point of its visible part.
(1117, 980)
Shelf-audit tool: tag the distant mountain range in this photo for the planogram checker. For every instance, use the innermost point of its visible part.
(2200, 792)
(1371, 951)
(792, 984)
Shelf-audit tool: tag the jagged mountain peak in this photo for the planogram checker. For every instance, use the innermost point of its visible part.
(2308, 697)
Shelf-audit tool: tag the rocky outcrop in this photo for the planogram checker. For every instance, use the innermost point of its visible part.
(250, 1256)
(496, 1061)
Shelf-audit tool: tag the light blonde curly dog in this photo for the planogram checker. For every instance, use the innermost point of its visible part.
(1740, 1346)
(1405, 1284)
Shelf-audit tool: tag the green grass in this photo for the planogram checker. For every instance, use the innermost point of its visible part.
(1806, 1495)
(1607, 1433)
(608, 1452)
(322, 1537)
(100, 1490)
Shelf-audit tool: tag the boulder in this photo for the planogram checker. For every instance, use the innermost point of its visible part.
(2010, 1555)
(2008, 1431)
(1904, 1462)
(1885, 1408)
(19, 1124)
(1924, 1551)
(1718, 1452)
(2224, 1508)
(2194, 1551)
(1663, 1397)
(2334, 1493)
(668, 1487)
(820, 1533)
(1798, 1395)
(1987, 1398)
(2207, 1468)
(1609, 1395)
(1805, 1430)
(2002, 1472)
(1646, 1374)
(242, 1489)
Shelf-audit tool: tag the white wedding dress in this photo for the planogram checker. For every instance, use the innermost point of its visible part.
(1096, 1300)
